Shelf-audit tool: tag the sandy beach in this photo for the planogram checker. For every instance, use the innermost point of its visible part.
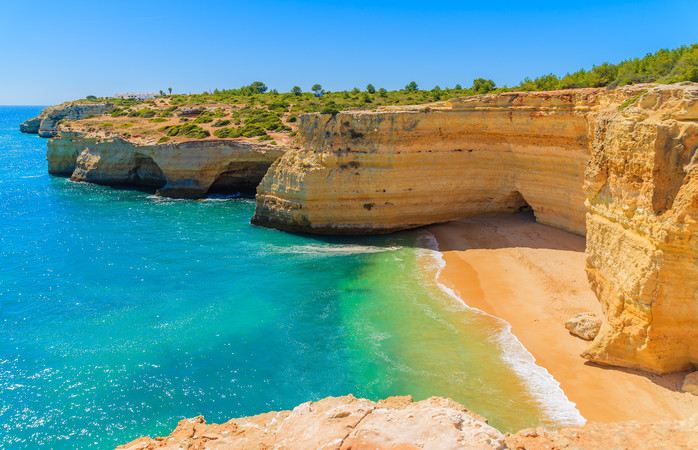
(533, 277)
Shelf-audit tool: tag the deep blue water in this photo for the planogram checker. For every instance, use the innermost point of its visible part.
(122, 313)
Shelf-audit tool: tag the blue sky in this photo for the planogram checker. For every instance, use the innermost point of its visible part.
(61, 50)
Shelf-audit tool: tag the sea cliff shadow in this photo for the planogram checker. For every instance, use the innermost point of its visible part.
(503, 231)
(670, 381)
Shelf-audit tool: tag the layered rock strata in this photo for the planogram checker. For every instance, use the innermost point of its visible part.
(398, 423)
(46, 124)
(629, 153)
(187, 169)
(642, 231)
(396, 168)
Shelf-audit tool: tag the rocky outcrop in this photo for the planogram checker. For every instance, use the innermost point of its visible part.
(46, 124)
(187, 169)
(398, 423)
(690, 383)
(610, 436)
(30, 125)
(642, 231)
(629, 153)
(584, 325)
(341, 423)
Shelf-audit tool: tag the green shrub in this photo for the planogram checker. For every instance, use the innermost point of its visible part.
(107, 125)
(117, 112)
(203, 119)
(329, 108)
(227, 133)
(163, 139)
(145, 113)
(166, 114)
(631, 101)
(221, 123)
(273, 143)
(252, 131)
(125, 125)
(292, 119)
(186, 130)
(266, 137)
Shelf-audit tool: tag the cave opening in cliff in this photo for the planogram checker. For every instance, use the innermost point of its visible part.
(239, 178)
(520, 205)
(146, 173)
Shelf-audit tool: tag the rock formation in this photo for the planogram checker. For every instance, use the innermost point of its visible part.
(46, 124)
(584, 325)
(642, 231)
(690, 383)
(630, 152)
(398, 423)
(395, 168)
(185, 169)
(341, 422)
(606, 436)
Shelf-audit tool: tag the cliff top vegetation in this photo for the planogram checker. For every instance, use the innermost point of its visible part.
(255, 112)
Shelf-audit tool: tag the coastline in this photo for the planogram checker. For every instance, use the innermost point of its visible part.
(532, 276)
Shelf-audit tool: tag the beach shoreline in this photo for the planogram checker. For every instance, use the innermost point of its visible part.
(532, 276)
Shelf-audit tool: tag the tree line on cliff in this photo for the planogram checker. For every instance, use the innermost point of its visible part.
(663, 66)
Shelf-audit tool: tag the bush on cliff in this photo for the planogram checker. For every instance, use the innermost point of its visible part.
(221, 123)
(186, 130)
(145, 113)
(246, 131)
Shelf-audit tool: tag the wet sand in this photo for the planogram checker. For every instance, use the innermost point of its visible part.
(533, 277)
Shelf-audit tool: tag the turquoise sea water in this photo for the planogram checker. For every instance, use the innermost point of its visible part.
(122, 313)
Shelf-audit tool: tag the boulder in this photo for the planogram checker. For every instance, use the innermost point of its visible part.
(585, 325)
(690, 383)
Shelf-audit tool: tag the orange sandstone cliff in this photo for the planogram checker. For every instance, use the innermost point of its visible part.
(617, 165)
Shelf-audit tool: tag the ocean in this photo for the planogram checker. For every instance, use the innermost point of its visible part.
(122, 313)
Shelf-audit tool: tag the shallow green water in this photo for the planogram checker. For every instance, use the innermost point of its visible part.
(122, 313)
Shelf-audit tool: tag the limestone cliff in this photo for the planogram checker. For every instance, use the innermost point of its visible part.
(184, 169)
(630, 152)
(395, 168)
(642, 239)
(398, 423)
(46, 124)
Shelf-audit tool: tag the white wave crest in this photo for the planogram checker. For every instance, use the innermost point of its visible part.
(324, 250)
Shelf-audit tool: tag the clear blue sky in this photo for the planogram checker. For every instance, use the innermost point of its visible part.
(62, 50)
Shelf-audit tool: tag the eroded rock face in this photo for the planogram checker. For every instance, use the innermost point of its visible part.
(341, 423)
(187, 169)
(630, 151)
(46, 124)
(642, 231)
